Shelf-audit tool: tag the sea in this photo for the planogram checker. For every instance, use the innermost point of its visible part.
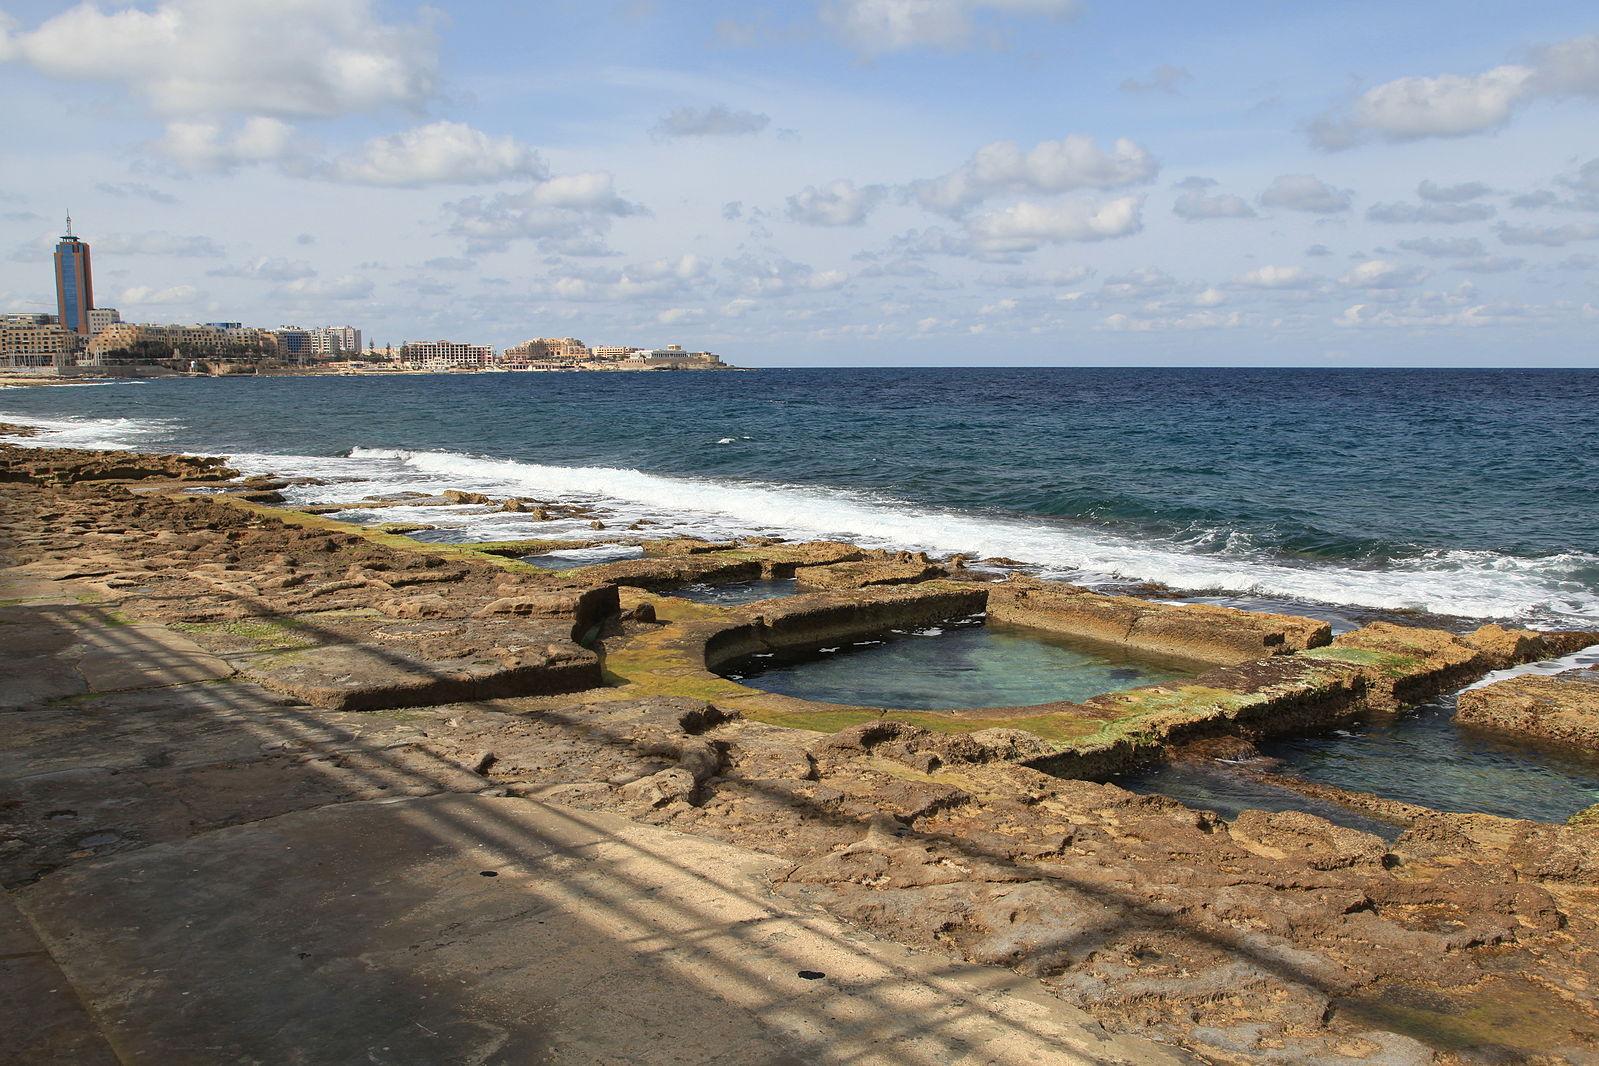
(1449, 497)
(1469, 493)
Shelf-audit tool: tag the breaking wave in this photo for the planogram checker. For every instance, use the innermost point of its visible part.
(100, 434)
(1551, 590)
(1547, 590)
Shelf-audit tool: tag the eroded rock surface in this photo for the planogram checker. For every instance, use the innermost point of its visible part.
(1560, 707)
(1203, 633)
(216, 844)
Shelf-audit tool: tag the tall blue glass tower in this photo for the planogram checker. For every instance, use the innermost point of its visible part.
(74, 282)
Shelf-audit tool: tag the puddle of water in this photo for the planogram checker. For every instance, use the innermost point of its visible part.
(1419, 756)
(1230, 792)
(738, 592)
(572, 558)
(956, 664)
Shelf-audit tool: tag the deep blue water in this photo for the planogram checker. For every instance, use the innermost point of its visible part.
(1469, 492)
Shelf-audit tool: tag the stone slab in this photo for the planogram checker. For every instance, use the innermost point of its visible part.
(41, 1018)
(370, 932)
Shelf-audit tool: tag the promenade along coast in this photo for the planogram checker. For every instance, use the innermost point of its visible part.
(335, 786)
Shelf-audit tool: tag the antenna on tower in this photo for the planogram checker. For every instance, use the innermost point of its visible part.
(69, 223)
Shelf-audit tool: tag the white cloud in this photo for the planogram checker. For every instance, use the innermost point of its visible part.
(1306, 192)
(287, 58)
(838, 203)
(268, 269)
(154, 242)
(1549, 236)
(439, 153)
(343, 287)
(1196, 204)
(141, 295)
(1382, 274)
(671, 277)
(1073, 162)
(1137, 284)
(1444, 247)
(1163, 79)
(875, 26)
(1420, 315)
(209, 146)
(569, 213)
(1489, 264)
(1569, 67)
(1452, 194)
(1195, 320)
(673, 315)
(1441, 213)
(1457, 105)
(136, 190)
(718, 120)
(1026, 225)
(780, 277)
(1276, 277)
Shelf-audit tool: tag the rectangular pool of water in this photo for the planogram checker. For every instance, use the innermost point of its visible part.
(737, 592)
(572, 558)
(957, 664)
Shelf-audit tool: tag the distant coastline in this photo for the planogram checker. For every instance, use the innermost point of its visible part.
(22, 377)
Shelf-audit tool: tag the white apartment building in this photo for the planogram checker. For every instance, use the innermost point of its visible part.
(331, 341)
(444, 355)
(101, 317)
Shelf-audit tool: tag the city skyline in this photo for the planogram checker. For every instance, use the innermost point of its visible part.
(853, 181)
(78, 314)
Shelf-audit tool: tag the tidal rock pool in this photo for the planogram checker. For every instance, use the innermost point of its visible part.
(735, 593)
(1418, 756)
(572, 558)
(966, 662)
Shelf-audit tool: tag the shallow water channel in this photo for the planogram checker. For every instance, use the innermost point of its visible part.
(1417, 756)
(956, 664)
(737, 592)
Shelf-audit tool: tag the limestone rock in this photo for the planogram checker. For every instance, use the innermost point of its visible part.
(865, 573)
(1559, 707)
(1193, 631)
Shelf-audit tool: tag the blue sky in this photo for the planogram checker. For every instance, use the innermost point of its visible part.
(834, 182)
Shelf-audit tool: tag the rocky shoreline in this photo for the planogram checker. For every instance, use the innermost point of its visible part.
(199, 681)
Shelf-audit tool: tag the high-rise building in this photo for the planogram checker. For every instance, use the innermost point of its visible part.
(74, 282)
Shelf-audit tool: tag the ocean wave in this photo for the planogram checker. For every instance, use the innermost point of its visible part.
(1551, 590)
(95, 434)
(1534, 590)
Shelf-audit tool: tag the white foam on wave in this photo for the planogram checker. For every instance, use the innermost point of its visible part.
(97, 434)
(1542, 590)
(1577, 660)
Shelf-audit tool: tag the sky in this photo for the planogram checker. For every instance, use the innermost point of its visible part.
(827, 182)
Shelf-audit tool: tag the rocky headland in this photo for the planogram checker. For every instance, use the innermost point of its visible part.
(278, 787)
